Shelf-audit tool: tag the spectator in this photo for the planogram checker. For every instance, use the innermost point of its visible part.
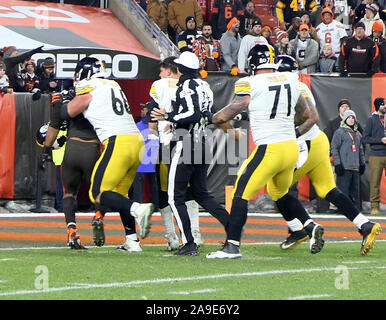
(348, 155)
(47, 79)
(305, 19)
(208, 50)
(293, 30)
(371, 15)
(157, 10)
(222, 12)
(330, 31)
(179, 10)
(305, 50)
(360, 10)
(28, 81)
(230, 45)
(359, 54)
(12, 60)
(375, 135)
(247, 43)
(334, 124)
(286, 10)
(327, 60)
(248, 18)
(186, 38)
(377, 32)
(282, 43)
(4, 81)
(266, 32)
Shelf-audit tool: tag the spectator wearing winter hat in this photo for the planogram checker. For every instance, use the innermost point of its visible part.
(4, 81)
(348, 155)
(282, 43)
(28, 81)
(375, 135)
(47, 78)
(378, 32)
(186, 38)
(249, 16)
(179, 10)
(305, 50)
(224, 11)
(12, 60)
(359, 54)
(334, 124)
(247, 43)
(371, 15)
(230, 45)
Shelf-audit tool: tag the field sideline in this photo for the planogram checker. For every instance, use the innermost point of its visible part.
(47, 270)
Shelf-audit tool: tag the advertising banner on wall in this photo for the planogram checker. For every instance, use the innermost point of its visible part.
(70, 32)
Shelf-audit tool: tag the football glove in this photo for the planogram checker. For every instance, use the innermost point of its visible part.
(45, 157)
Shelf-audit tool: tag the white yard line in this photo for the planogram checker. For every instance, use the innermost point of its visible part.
(311, 296)
(137, 283)
(185, 293)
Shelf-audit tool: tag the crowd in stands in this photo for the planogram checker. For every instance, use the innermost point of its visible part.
(20, 73)
(345, 36)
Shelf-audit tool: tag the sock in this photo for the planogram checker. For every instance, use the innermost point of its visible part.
(133, 207)
(295, 225)
(308, 222)
(194, 215)
(132, 236)
(237, 219)
(291, 208)
(167, 216)
(122, 204)
(69, 207)
(359, 220)
(343, 203)
(100, 211)
(71, 225)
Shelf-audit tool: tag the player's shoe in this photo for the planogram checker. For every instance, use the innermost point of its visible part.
(173, 242)
(73, 239)
(294, 239)
(315, 232)
(228, 251)
(98, 231)
(130, 246)
(369, 231)
(143, 214)
(189, 249)
(198, 238)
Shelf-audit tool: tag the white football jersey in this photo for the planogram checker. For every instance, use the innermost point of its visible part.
(272, 106)
(108, 112)
(314, 131)
(163, 91)
(331, 34)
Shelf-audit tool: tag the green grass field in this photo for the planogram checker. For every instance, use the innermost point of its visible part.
(264, 273)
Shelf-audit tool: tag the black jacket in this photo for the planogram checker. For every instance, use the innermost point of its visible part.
(382, 53)
(372, 135)
(359, 56)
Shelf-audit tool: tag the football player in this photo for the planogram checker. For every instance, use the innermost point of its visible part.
(105, 106)
(272, 99)
(82, 151)
(317, 168)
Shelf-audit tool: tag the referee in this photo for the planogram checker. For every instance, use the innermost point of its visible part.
(190, 115)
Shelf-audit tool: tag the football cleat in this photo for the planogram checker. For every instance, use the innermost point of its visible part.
(73, 239)
(173, 242)
(228, 251)
(189, 249)
(198, 238)
(315, 232)
(130, 246)
(143, 214)
(98, 232)
(369, 231)
(294, 239)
